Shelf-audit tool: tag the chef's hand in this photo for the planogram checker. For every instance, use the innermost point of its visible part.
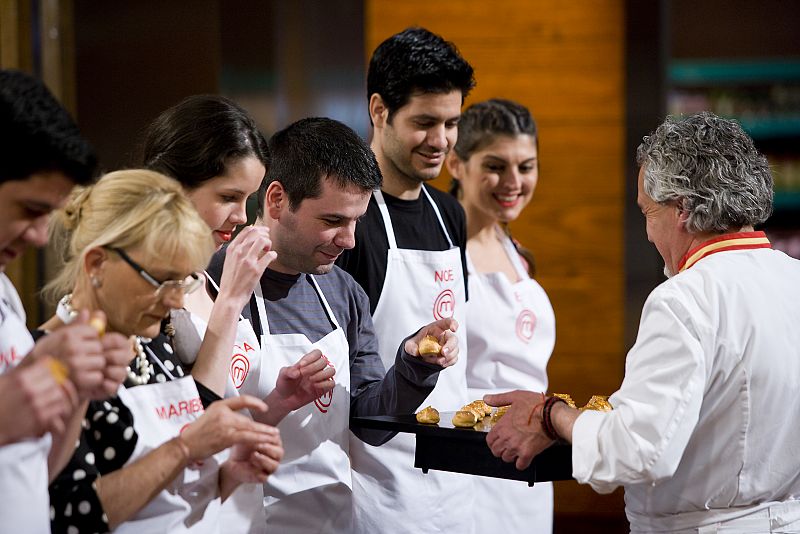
(299, 384)
(245, 260)
(221, 427)
(518, 436)
(77, 346)
(444, 331)
(36, 398)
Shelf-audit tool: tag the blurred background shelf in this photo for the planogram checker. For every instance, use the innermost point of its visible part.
(707, 72)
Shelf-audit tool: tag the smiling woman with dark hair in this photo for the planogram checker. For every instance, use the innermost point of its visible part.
(511, 334)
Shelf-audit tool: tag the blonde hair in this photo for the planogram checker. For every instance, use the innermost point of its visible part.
(128, 209)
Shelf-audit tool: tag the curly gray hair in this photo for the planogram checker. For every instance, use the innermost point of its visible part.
(712, 166)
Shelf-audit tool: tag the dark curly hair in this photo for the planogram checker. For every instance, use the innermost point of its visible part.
(416, 60)
(38, 135)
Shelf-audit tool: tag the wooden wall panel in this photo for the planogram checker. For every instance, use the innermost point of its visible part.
(565, 61)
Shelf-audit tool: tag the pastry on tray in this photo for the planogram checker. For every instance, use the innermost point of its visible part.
(428, 416)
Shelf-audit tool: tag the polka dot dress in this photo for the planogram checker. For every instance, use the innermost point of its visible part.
(106, 443)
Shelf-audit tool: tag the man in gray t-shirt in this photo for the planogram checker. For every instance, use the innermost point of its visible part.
(318, 185)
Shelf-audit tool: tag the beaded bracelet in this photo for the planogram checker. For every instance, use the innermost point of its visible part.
(547, 423)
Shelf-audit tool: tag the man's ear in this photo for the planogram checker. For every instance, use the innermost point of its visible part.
(378, 111)
(454, 165)
(275, 200)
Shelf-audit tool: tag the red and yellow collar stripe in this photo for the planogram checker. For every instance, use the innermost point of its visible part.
(739, 241)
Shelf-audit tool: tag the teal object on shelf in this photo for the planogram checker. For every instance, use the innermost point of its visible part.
(786, 200)
(771, 127)
(711, 72)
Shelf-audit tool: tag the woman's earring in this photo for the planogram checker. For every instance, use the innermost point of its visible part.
(96, 283)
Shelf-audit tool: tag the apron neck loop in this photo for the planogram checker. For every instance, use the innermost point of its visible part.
(387, 220)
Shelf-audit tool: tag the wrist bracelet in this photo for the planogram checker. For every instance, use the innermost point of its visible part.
(547, 422)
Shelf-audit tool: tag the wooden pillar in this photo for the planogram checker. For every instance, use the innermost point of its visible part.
(56, 68)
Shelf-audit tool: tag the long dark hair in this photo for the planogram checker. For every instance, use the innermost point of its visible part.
(195, 140)
(479, 125)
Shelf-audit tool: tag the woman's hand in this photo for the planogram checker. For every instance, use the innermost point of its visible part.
(221, 427)
(299, 384)
(444, 331)
(245, 260)
(254, 464)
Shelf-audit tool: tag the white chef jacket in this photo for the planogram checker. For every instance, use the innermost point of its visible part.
(24, 501)
(705, 424)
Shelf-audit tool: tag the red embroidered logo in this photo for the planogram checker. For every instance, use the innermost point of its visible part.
(240, 365)
(445, 305)
(323, 402)
(526, 323)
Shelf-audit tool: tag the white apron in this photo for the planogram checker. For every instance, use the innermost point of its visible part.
(24, 500)
(190, 503)
(243, 511)
(390, 495)
(511, 337)
(311, 490)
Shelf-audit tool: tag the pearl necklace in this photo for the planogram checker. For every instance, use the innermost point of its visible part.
(144, 369)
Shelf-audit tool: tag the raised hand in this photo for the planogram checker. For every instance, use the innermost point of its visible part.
(245, 260)
(254, 464)
(78, 347)
(299, 384)
(444, 331)
(37, 398)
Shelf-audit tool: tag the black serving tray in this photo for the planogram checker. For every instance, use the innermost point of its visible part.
(445, 447)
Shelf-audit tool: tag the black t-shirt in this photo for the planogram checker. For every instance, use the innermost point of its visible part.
(415, 227)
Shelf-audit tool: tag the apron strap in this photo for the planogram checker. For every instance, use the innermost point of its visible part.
(328, 309)
(513, 255)
(387, 220)
(258, 294)
(158, 361)
(216, 288)
(438, 216)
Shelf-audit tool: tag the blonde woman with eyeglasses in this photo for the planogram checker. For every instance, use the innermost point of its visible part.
(147, 460)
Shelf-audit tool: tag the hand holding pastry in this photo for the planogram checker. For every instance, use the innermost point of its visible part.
(424, 343)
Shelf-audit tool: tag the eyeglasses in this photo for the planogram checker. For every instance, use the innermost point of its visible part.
(187, 285)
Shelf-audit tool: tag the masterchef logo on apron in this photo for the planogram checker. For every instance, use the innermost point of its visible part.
(526, 324)
(324, 401)
(240, 364)
(445, 305)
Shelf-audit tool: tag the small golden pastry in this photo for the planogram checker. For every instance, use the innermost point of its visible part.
(566, 398)
(598, 403)
(474, 409)
(481, 406)
(428, 416)
(98, 322)
(59, 371)
(429, 346)
(465, 419)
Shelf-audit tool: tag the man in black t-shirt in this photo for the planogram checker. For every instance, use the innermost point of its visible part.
(409, 257)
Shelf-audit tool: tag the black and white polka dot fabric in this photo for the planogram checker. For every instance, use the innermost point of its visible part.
(107, 441)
